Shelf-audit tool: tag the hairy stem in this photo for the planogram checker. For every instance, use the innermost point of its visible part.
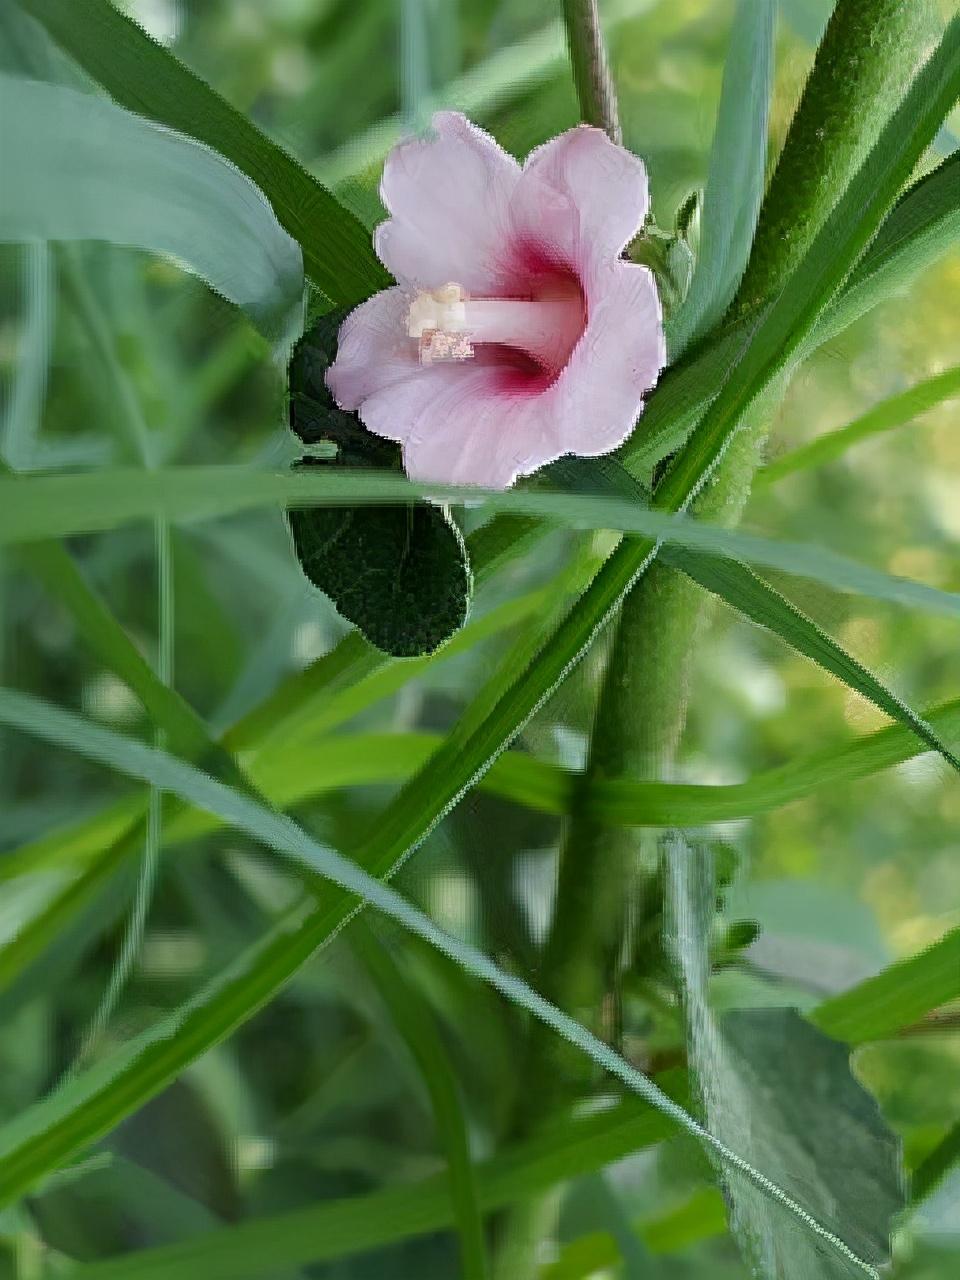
(868, 55)
(591, 71)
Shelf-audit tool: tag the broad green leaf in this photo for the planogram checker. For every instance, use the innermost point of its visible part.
(784, 1092)
(399, 573)
(78, 167)
(416, 1023)
(896, 998)
(735, 177)
(885, 416)
(107, 499)
(77, 1113)
(144, 77)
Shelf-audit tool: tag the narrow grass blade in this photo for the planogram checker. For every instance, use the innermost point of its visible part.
(735, 178)
(889, 414)
(107, 499)
(757, 600)
(897, 997)
(929, 1175)
(53, 1129)
(323, 1232)
(920, 229)
(144, 77)
(415, 1021)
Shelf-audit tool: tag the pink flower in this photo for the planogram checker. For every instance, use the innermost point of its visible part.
(516, 333)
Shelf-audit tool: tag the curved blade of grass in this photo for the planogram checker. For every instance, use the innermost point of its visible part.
(652, 804)
(145, 77)
(69, 1119)
(735, 177)
(415, 1021)
(563, 1151)
(370, 759)
(897, 997)
(885, 416)
(107, 499)
(928, 1175)
(336, 1229)
(757, 600)
(79, 167)
(920, 229)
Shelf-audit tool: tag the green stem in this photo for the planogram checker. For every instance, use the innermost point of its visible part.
(591, 72)
(869, 53)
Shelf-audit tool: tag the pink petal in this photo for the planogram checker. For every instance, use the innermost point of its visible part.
(449, 198)
(457, 426)
(374, 351)
(580, 198)
(593, 405)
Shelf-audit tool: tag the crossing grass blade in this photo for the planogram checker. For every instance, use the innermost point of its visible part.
(148, 79)
(735, 177)
(889, 414)
(78, 1112)
(570, 1148)
(897, 997)
(920, 229)
(107, 499)
(757, 600)
(416, 1023)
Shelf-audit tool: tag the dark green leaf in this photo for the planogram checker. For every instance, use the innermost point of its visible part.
(399, 573)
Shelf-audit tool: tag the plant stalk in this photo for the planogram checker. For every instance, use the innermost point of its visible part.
(869, 53)
(591, 70)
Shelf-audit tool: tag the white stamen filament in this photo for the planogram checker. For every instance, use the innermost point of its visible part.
(448, 324)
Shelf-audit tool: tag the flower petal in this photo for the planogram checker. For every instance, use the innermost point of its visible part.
(580, 198)
(458, 426)
(373, 349)
(449, 198)
(593, 406)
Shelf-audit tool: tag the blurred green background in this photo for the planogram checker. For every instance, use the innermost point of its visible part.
(317, 1096)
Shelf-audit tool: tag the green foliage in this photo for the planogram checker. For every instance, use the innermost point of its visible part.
(399, 573)
(271, 1122)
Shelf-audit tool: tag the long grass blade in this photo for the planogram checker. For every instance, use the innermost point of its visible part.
(735, 178)
(28, 1148)
(889, 414)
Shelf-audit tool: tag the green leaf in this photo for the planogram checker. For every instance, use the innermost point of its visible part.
(146, 78)
(415, 1021)
(757, 600)
(896, 998)
(399, 573)
(89, 1104)
(681, 804)
(78, 167)
(107, 499)
(929, 1175)
(783, 1093)
(735, 177)
(920, 229)
(569, 1148)
(885, 416)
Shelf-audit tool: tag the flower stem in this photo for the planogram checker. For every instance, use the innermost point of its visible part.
(869, 53)
(591, 72)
